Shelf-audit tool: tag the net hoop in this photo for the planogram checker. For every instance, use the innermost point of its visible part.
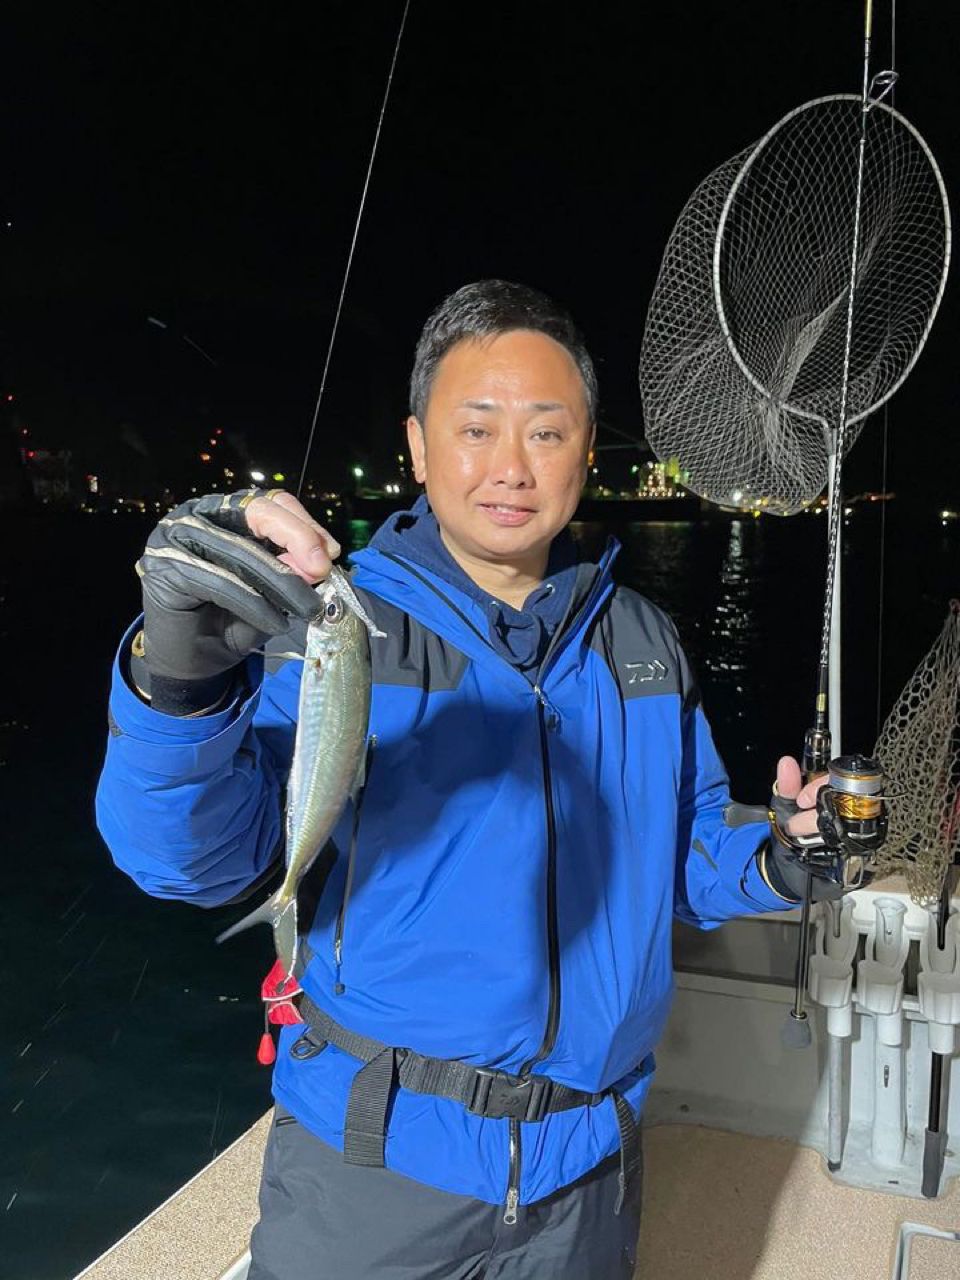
(728, 204)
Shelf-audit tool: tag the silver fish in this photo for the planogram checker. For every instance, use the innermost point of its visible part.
(328, 751)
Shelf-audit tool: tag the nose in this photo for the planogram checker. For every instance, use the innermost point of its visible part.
(509, 464)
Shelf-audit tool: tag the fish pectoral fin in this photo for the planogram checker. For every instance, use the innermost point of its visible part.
(296, 657)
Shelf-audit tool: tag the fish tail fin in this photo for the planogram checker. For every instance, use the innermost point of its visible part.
(285, 936)
(265, 914)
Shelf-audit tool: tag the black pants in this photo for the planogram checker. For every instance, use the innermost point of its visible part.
(322, 1219)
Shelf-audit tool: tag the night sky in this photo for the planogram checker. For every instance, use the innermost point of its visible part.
(203, 163)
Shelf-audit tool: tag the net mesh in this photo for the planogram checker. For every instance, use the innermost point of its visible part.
(919, 750)
(741, 368)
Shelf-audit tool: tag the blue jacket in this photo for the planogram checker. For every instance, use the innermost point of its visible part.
(518, 859)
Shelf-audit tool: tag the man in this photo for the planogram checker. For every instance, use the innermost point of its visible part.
(488, 967)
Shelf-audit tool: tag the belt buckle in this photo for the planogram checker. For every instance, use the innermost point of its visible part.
(538, 1099)
(483, 1082)
(524, 1099)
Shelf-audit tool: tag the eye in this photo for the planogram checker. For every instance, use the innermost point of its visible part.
(333, 610)
(474, 433)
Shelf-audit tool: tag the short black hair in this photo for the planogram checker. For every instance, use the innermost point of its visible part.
(485, 310)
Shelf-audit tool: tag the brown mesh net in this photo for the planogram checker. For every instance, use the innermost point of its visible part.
(919, 749)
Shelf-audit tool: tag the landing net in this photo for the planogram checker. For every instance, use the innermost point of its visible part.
(919, 750)
(742, 363)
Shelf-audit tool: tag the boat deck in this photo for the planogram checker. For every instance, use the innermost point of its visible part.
(717, 1206)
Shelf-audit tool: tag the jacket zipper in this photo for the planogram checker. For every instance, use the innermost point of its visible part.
(553, 938)
(546, 715)
(513, 1181)
(548, 718)
(338, 987)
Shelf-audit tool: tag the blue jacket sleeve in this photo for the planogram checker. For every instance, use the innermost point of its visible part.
(191, 808)
(717, 876)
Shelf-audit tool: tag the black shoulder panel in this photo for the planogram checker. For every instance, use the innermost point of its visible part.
(409, 654)
(639, 644)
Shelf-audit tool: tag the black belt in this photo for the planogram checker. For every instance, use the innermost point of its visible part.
(482, 1090)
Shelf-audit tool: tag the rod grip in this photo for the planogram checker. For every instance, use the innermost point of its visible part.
(934, 1153)
(741, 815)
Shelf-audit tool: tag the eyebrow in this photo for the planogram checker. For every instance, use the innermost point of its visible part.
(537, 406)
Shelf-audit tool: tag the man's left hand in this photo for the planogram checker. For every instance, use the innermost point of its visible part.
(784, 871)
(790, 786)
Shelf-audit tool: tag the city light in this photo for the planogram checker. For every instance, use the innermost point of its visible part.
(358, 473)
(204, 457)
(278, 476)
(257, 477)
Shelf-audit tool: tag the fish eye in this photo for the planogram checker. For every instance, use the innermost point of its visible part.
(333, 610)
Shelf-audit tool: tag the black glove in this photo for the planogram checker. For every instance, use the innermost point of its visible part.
(788, 876)
(212, 594)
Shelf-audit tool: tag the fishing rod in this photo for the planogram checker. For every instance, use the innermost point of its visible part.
(353, 245)
(795, 294)
(935, 1134)
(851, 814)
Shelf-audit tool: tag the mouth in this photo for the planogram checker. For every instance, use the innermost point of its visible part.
(507, 513)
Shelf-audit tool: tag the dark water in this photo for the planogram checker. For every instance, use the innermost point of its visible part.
(127, 1037)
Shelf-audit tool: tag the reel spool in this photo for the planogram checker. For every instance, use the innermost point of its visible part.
(851, 811)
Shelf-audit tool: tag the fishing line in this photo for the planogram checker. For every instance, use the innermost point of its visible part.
(353, 245)
(881, 587)
(839, 445)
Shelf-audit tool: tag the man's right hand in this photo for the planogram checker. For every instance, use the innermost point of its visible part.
(220, 575)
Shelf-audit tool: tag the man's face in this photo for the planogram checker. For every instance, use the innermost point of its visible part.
(503, 450)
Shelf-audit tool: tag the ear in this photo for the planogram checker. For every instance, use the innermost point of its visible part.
(418, 449)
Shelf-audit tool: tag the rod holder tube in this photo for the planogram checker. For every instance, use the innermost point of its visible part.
(888, 1133)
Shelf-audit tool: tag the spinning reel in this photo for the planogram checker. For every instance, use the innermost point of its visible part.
(851, 816)
(851, 827)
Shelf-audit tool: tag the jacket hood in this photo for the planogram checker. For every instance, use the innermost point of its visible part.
(459, 617)
(520, 636)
